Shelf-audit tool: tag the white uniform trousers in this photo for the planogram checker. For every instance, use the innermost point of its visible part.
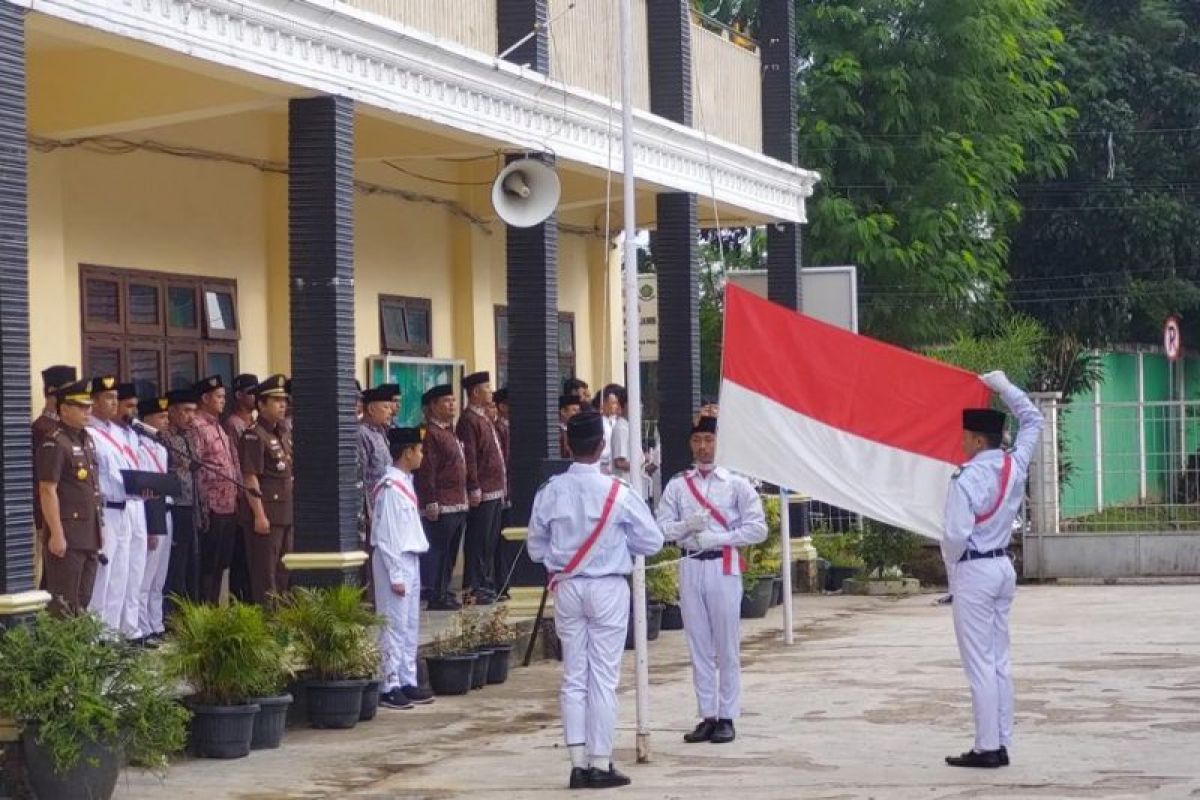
(399, 635)
(983, 595)
(591, 616)
(112, 579)
(711, 603)
(150, 612)
(132, 607)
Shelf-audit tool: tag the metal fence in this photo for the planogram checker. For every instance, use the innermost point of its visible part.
(1129, 466)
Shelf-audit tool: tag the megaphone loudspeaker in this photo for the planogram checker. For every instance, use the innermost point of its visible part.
(525, 193)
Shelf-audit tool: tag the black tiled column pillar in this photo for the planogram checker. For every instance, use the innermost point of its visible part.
(321, 247)
(16, 466)
(777, 40)
(675, 241)
(532, 255)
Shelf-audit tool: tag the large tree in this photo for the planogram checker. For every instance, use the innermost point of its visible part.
(1105, 252)
(922, 117)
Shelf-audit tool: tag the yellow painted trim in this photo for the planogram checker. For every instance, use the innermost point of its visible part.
(23, 602)
(305, 561)
(515, 534)
(9, 731)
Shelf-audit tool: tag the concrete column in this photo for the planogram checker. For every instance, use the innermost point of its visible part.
(777, 46)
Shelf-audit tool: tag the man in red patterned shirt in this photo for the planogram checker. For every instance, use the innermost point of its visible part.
(216, 485)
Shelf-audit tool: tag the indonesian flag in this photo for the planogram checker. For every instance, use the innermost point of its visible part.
(844, 419)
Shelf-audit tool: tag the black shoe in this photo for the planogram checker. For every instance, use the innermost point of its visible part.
(606, 779)
(579, 778)
(723, 733)
(483, 597)
(1004, 756)
(504, 595)
(395, 699)
(989, 759)
(416, 695)
(444, 604)
(702, 733)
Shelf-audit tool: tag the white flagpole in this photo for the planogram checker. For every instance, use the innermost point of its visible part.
(633, 376)
(785, 551)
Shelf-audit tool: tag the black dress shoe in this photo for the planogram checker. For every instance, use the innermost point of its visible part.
(443, 605)
(988, 759)
(1004, 756)
(702, 733)
(606, 779)
(579, 778)
(416, 695)
(723, 733)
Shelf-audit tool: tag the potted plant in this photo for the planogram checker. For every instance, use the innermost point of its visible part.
(763, 562)
(368, 666)
(499, 636)
(774, 533)
(449, 661)
(471, 626)
(228, 655)
(85, 701)
(843, 552)
(662, 586)
(328, 626)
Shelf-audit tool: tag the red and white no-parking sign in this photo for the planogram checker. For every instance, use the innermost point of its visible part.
(1172, 339)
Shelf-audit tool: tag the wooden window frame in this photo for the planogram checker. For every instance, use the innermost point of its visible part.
(563, 359)
(405, 302)
(163, 338)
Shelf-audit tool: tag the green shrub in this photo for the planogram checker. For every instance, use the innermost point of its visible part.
(75, 681)
(764, 559)
(839, 549)
(662, 583)
(886, 548)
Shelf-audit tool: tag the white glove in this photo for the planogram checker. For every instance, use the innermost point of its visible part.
(698, 522)
(710, 540)
(996, 381)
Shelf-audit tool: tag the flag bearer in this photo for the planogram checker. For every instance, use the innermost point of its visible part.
(985, 497)
(585, 527)
(398, 538)
(710, 512)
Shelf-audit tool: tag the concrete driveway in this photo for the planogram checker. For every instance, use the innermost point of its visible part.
(865, 705)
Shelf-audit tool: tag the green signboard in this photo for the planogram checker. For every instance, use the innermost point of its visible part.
(414, 376)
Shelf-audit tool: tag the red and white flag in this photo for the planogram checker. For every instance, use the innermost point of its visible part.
(844, 419)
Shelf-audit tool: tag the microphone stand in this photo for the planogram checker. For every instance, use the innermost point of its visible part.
(190, 459)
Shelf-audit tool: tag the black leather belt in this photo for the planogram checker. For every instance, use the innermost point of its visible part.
(703, 555)
(975, 555)
(115, 506)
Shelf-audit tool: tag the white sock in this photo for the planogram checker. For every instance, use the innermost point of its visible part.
(578, 755)
(602, 763)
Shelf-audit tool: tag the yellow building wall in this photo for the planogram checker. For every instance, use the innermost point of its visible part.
(175, 215)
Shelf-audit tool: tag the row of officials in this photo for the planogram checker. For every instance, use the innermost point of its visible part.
(142, 497)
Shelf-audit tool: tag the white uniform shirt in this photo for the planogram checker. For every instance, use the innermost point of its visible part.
(977, 486)
(730, 494)
(114, 452)
(567, 509)
(396, 523)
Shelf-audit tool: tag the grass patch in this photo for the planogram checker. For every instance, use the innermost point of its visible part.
(1124, 519)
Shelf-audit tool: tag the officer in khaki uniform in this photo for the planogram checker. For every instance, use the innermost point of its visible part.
(266, 457)
(45, 426)
(70, 499)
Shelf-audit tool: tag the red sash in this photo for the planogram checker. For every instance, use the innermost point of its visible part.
(149, 450)
(1005, 474)
(590, 541)
(123, 448)
(726, 551)
(399, 488)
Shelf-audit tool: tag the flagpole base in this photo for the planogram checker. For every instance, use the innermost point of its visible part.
(643, 748)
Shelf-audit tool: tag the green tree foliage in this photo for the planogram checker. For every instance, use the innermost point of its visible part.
(1107, 250)
(922, 116)
(1015, 346)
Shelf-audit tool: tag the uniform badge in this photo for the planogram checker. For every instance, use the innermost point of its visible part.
(82, 474)
(281, 466)
(957, 472)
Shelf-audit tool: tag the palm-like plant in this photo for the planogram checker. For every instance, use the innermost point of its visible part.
(226, 654)
(328, 628)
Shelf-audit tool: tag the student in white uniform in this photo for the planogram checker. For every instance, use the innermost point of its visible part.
(399, 540)
(586, 527)
(153, 456)
(135, 509)
(985, 497)
(710, 512)
(113, 454)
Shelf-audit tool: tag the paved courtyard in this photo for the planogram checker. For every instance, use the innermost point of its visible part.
(865, 705)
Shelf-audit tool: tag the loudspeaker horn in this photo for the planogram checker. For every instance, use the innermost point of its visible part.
(525, 193)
